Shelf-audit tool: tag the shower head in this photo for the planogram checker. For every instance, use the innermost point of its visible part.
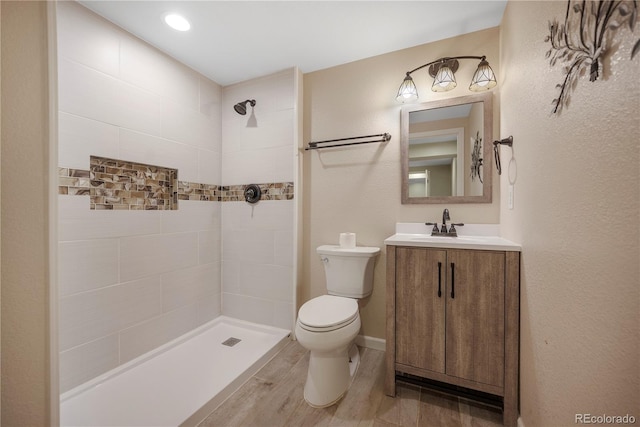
(241, 107)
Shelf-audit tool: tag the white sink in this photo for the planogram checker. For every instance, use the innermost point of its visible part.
(484, 237)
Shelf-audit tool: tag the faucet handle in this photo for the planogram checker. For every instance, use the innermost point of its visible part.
(435, 226)
(453, 227)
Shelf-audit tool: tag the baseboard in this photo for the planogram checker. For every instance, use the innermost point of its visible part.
(520, 422)
(371, 342)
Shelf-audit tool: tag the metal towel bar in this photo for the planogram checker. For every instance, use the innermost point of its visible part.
(384, 137)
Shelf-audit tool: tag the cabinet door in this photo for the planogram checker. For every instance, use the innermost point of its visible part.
(475, 316)
(420, 335)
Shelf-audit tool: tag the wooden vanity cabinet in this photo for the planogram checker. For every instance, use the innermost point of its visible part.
(453, 317)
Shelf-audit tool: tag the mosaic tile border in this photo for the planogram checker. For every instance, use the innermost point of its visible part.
(78, 182)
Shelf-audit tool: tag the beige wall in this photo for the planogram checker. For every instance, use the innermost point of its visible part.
(357, 188)
(24, 177)
(577, 216)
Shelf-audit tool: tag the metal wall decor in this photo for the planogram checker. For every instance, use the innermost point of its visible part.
(476, 159)
(584, 37)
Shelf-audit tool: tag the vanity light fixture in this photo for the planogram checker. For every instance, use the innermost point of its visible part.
(443, 71)
(177, 22)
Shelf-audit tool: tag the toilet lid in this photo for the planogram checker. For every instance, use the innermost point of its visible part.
(327, 313)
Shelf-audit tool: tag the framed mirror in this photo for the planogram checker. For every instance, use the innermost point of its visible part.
(446, 150)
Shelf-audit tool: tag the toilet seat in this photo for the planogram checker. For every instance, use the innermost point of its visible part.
(327, 313)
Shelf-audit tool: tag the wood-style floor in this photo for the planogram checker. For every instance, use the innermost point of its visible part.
(273, 398)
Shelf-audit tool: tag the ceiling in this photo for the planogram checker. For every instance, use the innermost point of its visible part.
(233, 41)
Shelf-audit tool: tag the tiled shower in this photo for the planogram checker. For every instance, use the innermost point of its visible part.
(132, 275)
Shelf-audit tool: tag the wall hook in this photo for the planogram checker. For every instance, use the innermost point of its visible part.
(496, 150)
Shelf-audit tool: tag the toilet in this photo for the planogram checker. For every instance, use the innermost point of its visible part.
(327, 325)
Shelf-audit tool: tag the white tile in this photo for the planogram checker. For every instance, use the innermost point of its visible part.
(148, 255)
(231, 276)
(152, 150)
(146, 336)
(209, 167)
(262, 166)
(145, 66)
(87, 264)
(283, 316)
(274, 129)
(192, 215)
(266, 215)
(209, 247)
(271, 282)
(85, 362)
(248, 308)
(284, 247)
(187, 286)
(209, 307)
(88, 316)
(76, 221)
(210, 99)
(86, 92)
(189, 127)
(138, 109)
(87, 38)
(79, 138)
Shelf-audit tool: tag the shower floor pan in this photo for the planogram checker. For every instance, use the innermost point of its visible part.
(178, 383)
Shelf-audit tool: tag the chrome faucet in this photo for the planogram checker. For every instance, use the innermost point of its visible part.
(444, 231)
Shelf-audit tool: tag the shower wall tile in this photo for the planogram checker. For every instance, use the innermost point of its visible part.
(136, 59)
(192, 216)
(88, 316)
(77, 222)
(87, 264)
(248, 308)
(85, 92)
(186, 287)
(209, 169)
(209, 246)
(149, 255)
(146, 336)
(266, 281)
(210, 99)
(120, 98)
(209, 307)
(82, 363)
(189, 127)
(80, 137)
(149, 149)
(84, 38)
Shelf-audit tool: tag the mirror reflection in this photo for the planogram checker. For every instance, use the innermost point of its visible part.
(445, 146)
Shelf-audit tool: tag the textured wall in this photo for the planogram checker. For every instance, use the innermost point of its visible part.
(357, 188)
(577, 216)
(25, 274)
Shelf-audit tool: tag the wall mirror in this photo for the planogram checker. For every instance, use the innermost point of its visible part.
(446, 150)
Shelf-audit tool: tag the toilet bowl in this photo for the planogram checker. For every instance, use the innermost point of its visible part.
(327, 325)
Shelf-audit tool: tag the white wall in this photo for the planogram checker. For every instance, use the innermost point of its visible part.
(577, 216)
(132, 280)
(258, 240)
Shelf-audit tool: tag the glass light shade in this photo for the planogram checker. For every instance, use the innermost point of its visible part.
(407, 91)
(444, 80)
(483, 78)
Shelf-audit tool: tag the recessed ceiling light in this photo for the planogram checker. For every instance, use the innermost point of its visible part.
(177, 22)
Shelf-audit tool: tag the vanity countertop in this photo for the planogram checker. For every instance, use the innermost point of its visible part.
(471, 236)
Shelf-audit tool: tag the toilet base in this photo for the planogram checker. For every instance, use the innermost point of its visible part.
(330, 375)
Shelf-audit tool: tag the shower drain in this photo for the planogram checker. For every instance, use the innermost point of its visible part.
(230, 342)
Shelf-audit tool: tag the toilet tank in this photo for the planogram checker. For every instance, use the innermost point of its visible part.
(348, 272)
